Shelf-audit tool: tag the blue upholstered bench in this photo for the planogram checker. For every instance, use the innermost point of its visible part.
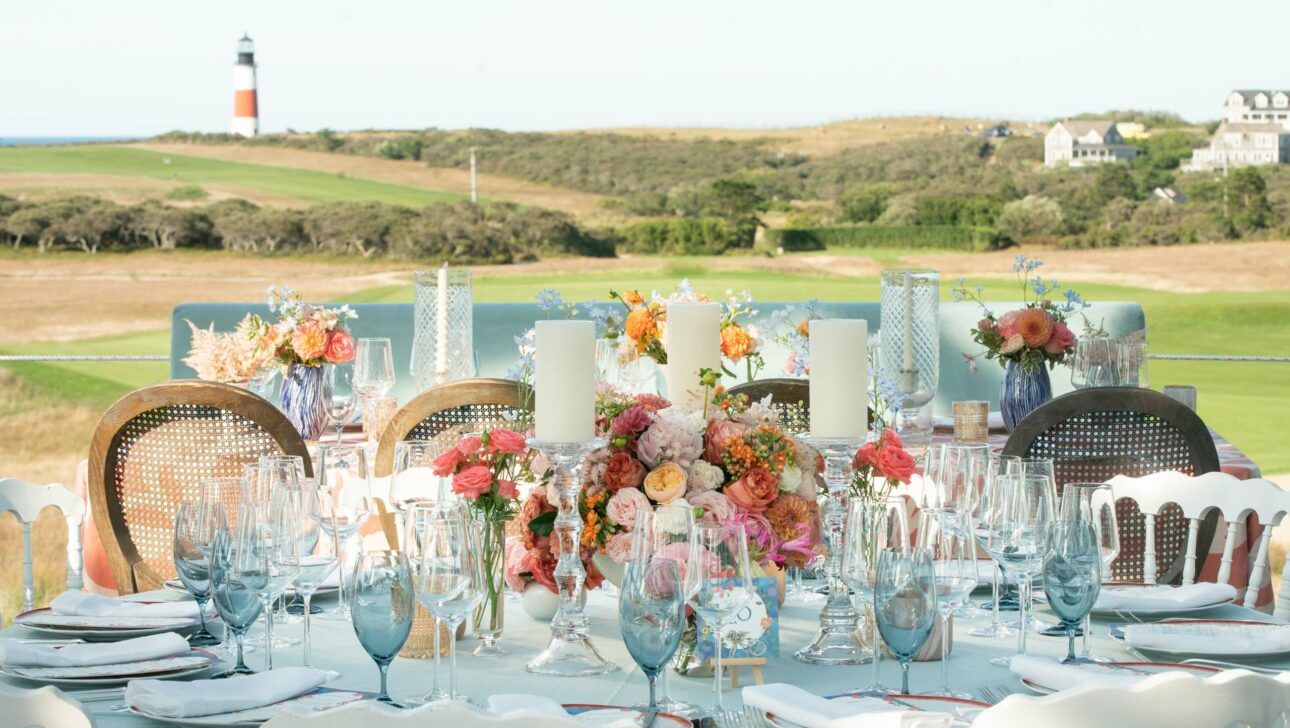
(497, 324)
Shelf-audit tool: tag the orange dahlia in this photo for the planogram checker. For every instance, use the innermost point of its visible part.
(735, 342)
(785, 514)
(641, 327)
(1035, 327)
(633, 298)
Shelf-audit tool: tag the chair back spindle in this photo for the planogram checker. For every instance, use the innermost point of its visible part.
(26, 501)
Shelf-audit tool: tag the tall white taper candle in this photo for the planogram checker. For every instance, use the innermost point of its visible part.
(692, 338)
(839, 377)
(565, 381)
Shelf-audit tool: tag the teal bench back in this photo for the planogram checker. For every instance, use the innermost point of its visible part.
(497, 324)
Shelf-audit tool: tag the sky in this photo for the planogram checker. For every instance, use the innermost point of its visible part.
(89, 67)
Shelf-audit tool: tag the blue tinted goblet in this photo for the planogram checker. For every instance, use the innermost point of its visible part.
(651, 616)
(905, 603)
(383, 603)
(235, 601)
(1072, 575)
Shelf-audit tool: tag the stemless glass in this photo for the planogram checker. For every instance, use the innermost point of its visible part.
(954, 564)
(235, 601)
(1072, 575)
(1094, 363)
(413, 475)
(905, 603)
(718, 583)
(266, 559)
(1019, 524)
(317, 560)
(338, 394)
(195, 527)
(373, 368)
(383, 607)
(651, 616)
(450, 581)
(1094, 502)
(344, 505)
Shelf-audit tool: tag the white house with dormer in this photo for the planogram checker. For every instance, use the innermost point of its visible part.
(1255, 130)
(1084, 143)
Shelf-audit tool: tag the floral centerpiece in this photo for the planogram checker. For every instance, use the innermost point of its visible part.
(1026, 339)
(229, 358)
(485, 469)
(302, 339)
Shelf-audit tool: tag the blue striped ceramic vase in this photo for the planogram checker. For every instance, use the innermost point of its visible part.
(1022, 392)
(302, 400)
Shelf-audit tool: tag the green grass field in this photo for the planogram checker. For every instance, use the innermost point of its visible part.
(300, 184)
(1247, 402)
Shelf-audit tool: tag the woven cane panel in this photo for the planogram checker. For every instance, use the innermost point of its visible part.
(789, 400)
(161, 458)
(446, 427)
(1097, 446)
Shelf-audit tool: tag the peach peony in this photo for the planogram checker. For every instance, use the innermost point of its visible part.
(1012, 344)
(340, 347)
(625, 506)
(754, 490)
(309, 340)
(1008, 323)
(735, 342)
(619, 547)
(1063, 338)
(1035, 326)
(666, 483)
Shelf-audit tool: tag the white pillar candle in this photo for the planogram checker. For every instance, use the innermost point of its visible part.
(839, 377)
(441, 327)
(692, 338)
(565, 381)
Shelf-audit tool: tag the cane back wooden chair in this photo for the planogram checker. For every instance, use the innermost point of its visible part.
(26, 501)
(790, 398)
(151, 451)
(1093, 435)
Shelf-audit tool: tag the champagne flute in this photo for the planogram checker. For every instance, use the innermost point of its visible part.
(383, 608)
(664, 531)
(954, 567)
(195, 527)
(344, 505)
(373, 368)
(1072, 575)
(316, 563)
(235, 601)
(905, 603)
(718, 583)
(338, 394)
(651, 616)
(450, 582)
(1094, 502)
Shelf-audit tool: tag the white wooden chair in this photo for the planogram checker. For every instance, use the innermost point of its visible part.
(1234, 499)
(45, 707)
(1168, 700)
(26, 501)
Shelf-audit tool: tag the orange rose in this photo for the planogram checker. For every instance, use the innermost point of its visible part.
(665, 483)
(1035, 327)
(340, 347)
(754, 490)
(804, 328)
(735, 342)
(641, 327)
(309, 340)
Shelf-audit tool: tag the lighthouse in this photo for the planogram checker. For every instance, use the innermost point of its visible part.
(246, 115)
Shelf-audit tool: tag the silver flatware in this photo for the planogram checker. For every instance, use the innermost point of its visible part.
(754, 718)
(994, 695)
(1203, 662)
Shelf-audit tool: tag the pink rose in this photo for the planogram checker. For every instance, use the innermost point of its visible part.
(1013, 343)
(717, 435)
(652, 402)
(891, 439)
(447, 462)
(865, 456)
(507, 441)
(895, 464)
(623, 471)
(716, 507)
(470, 445)
(507, 489)
(754, 490)
(1008, 324)
(472, 482)
(340, 347)
(309, 340)
(985, 324)
(633, 420)
(516, 564)
(625, 505)
(1061, 340)
(619, 547)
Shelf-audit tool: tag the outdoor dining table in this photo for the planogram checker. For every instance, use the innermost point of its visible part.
(336, 647)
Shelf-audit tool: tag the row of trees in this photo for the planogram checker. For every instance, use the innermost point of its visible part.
(498, 232)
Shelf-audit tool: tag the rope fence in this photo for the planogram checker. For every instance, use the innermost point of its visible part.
(162, 357)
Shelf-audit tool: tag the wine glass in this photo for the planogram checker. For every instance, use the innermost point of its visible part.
(905, 603)
(383, 608)
(664, 532)
(267, 559)
(980, 521)
(338, 394)
(344, 504)
(195, 527)
(1019, 524)
(954, 566)
(1047, 468)
(1094, 502)
(718, 582)
(419, 513)
(1072, 575)
(268, 476)
(373, 368)
(450, 581)
(413, 475)
(235, 601)
(651, 616)
(870, 529)
(317, 560)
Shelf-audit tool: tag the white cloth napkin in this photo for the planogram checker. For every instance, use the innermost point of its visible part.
(1127, 599)
(518, 705)
(1209, 639)
(811, 711)
(84, 604)
(33, 654)
(196, 698)
(1049, 673)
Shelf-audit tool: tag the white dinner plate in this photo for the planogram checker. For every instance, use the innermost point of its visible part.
(1117, 634)
(176, 585)
(1140, 668)
(1162, 611)
(661, 720)
(964, 711)
(118, 674)
(315, 701)
(100, 629)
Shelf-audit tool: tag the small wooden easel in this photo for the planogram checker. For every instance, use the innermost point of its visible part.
(734, 663)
